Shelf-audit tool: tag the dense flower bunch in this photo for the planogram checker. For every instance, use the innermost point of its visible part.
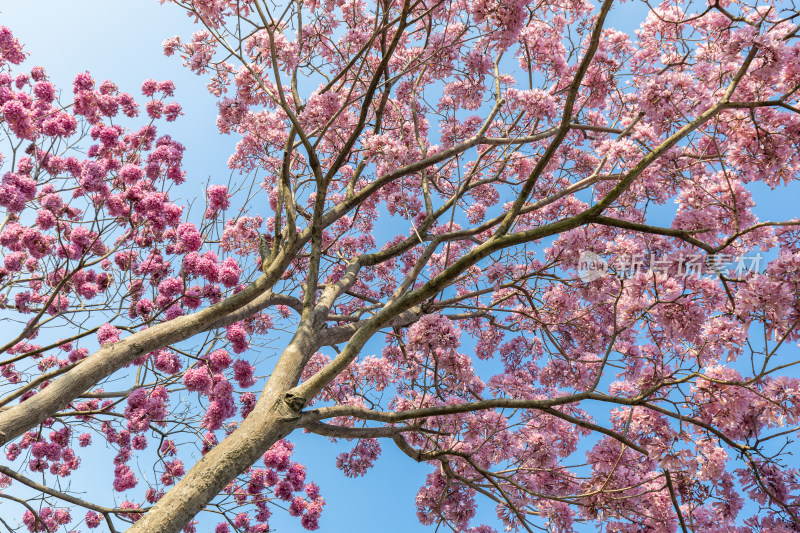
(483, 187)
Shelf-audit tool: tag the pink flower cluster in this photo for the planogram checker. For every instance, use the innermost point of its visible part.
(16, 190)
(356, 462)
(236, 334)
(451, 501)
(146, 406)
(218, 200)
(286, 480)
(107, 334)
(10, 48)
(93, 519)
(433, 331)
(240, 236)
(208, 380)
(54, 454)
(156, 107)
(47, 519)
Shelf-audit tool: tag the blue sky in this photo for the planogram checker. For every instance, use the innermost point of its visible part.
(121, 40)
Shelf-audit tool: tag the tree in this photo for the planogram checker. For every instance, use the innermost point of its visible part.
(463, 227)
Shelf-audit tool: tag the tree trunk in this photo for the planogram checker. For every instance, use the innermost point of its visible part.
(276, 414)
(271, 420)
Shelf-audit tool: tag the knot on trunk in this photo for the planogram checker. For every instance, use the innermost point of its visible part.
(295, 403)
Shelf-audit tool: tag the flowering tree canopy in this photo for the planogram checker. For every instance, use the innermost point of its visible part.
(457, 220)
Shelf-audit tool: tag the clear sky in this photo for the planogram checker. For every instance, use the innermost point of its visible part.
(121, 40)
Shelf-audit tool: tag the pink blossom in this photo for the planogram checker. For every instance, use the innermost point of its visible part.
(167, 362)
(172, 111)
(154, 109)
(139, 442)
(45, 220)
(356, 462)
(13, 261)
(133, 517)
(10, 48)
(248, 402)
(219, 360)
(107, 334)
(238, 337)
(229, 273)
(310, 520)
(297, 507)
(218, 411)
(312, 490)
(13, 451)
(144, 407)
(15, 190)
(149, 87)
(433, 331)
(242, 521)
(168, 447)
(189, 237)
(62, 516)
(172, 470)
(243, 373)
(78, 354)
(19, 120)
(93, 519)
(197, 380)
(167, 87)
(277, 457)
(218, 199)
(171, 287)
(131, 173)
(124, 478)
